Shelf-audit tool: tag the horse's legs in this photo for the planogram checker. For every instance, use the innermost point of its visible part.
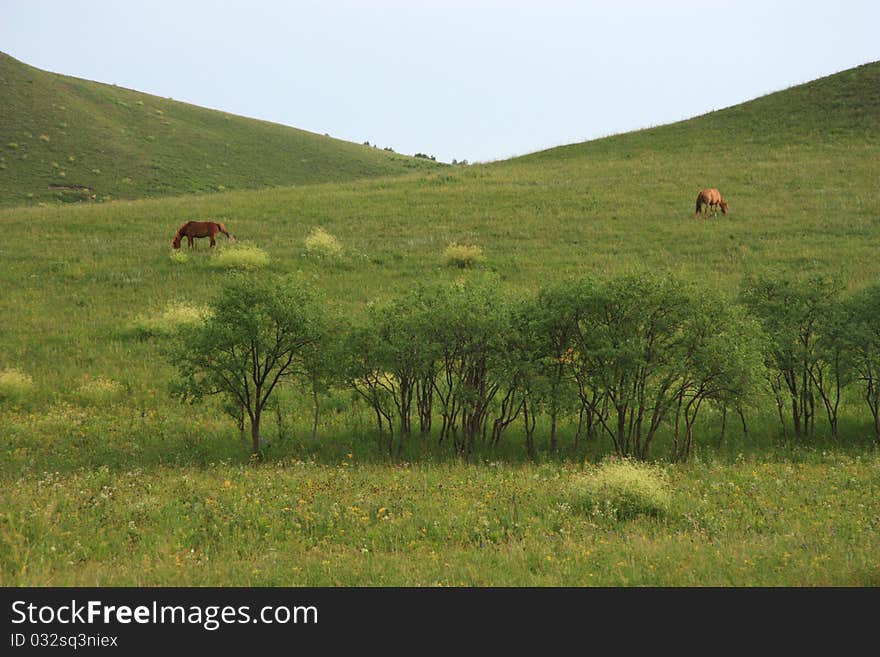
(189, 240)
(213, 241)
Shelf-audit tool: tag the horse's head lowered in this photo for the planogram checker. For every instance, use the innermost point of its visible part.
(223, 230)
(723, 207)
(175, 243)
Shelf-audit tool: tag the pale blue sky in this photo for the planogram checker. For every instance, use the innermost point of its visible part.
(478, 80)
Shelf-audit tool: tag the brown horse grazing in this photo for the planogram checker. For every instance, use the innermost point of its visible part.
(710, 199)
(193, 229)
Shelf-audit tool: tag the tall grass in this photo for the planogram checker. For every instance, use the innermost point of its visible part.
(293, 523)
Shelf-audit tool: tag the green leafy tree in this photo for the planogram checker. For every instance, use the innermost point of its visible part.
(259, 334)
(391, 363)
(408, 354)
(862, 345)
(321, 360)
(469, 328)
(630, 351)
(722, 364)
(835, 366)
(792, 314)
(553, 326)
(362, 370)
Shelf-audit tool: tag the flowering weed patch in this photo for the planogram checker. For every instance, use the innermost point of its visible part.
(99, 390)
(321, 243)
(621, 489)
(169, 320)
(15, 385)
(463, 255)
(240, 256)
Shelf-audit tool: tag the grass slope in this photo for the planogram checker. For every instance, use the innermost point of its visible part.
(800, 170)
(802, 207)
(60, 130)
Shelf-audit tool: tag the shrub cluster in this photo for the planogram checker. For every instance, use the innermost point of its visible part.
(463, 255)
(240, 256)
(321, 243)
(622, 357)
(620, 489)
(15, 385)
(169, 320)
(818, 344)
(99, 390)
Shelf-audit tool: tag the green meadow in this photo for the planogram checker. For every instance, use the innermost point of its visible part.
(108, 480)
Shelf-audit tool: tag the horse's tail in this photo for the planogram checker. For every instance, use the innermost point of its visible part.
(699, 203)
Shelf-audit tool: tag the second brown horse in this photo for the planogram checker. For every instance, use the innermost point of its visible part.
(193, 229)
(710, 199)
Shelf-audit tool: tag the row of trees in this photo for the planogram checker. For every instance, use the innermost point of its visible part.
(624, 357)
(818, 343)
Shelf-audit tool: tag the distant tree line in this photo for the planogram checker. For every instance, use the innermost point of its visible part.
(620, 357)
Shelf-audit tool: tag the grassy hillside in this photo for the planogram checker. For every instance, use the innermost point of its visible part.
(840, 109)
(64, 131)
(620, 204)
(800, 171)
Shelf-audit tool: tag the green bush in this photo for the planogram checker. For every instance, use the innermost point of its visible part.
(170, 320)
(15, 385)
(621, 489)
(463, 255)
(99, 390)
(321, 243)
(240, 256)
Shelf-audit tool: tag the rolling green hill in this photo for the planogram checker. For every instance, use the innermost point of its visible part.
(837, 110)
(66, 132)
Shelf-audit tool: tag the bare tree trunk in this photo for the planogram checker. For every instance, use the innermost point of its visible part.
(239, 421)
(424, 402)
(530, 422)
(255, 432)
(317, 411)
(580, 428)
(742, 418)
(723, 425)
